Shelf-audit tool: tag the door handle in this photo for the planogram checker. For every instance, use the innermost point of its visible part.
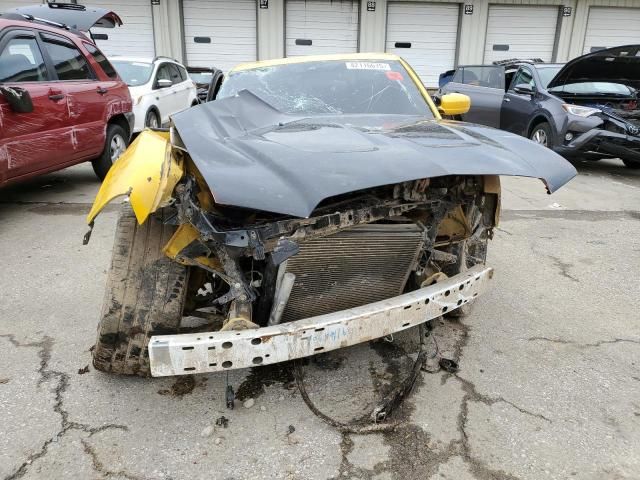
(56, 96)
(101, 90)
(506, 100)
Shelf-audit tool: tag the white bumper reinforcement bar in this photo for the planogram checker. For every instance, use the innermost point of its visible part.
(218, 351)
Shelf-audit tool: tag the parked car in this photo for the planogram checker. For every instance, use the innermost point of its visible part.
(159, 88)
(61, 101)
(317, 203)
(208, 81)
(587, 108)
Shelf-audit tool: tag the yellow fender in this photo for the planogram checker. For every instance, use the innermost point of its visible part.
(147, 171)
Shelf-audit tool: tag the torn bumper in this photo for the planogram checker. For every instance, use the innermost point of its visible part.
(218, 351)
(607, 143)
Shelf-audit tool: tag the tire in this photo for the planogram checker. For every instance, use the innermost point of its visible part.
(632, 164)
(542, 134)
(115, 144)
(151, 119)
(144, 296)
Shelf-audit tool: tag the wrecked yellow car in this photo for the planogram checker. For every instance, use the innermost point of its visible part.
(317, 203)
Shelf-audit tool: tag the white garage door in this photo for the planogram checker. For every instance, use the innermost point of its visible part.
(316, 27)
(611, 27)
(425, 35)
(135, 37)
(520, 32)
(220, 33)
(9, 4)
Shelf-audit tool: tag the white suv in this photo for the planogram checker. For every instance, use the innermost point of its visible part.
(159, 88)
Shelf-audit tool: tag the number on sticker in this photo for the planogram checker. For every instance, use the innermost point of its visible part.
(367, 66)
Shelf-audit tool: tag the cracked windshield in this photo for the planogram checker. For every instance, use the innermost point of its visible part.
(333, 87)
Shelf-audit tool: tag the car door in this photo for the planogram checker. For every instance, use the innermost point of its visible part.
(37, 140)
(184, 86)
(84, 95)
(518, 107)
(167, 101)
(484, 85)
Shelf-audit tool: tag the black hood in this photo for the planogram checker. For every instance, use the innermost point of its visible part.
(613, 65)
(78, 17)
(253, 156)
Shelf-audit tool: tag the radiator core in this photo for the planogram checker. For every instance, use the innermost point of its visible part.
(350, 268)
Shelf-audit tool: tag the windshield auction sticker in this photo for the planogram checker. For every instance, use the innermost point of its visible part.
(367, 66)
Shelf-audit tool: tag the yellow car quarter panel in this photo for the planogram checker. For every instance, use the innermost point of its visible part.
(147, 172)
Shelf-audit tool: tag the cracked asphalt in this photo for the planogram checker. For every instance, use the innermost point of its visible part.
(548, 386)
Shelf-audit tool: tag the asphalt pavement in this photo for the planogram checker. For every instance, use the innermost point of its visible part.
(548, 385)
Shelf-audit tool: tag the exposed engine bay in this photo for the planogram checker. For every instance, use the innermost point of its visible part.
(355, 249)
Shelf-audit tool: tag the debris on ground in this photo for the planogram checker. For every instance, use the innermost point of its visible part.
(249, 403)
(218, 440)
(448, 365)
(207, 431)
(83, 370)
(222, 422)
(431, 365)
(292, 439)
(182, 386)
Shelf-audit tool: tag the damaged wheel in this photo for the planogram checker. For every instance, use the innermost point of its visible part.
(145, 295)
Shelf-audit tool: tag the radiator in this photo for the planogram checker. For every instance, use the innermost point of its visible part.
(354, 267)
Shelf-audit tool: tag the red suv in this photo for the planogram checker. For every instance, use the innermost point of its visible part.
(61, 101)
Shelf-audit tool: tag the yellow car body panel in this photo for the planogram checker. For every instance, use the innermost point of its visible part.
(148, 172)
(184, 236)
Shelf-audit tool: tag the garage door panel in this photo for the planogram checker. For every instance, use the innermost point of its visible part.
(229, 24)
(432, 31)
(135, 36)
(611, 27)
(529, 31)
(330, 25)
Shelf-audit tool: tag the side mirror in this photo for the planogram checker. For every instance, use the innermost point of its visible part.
(454, 104)
(524, 89)
(18, 99)
(164, 83)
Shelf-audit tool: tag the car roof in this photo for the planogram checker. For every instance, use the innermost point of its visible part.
(12, 19)
(315, 58)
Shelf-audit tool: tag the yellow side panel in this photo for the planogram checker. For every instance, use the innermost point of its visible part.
(147, 172)
(181, 239)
